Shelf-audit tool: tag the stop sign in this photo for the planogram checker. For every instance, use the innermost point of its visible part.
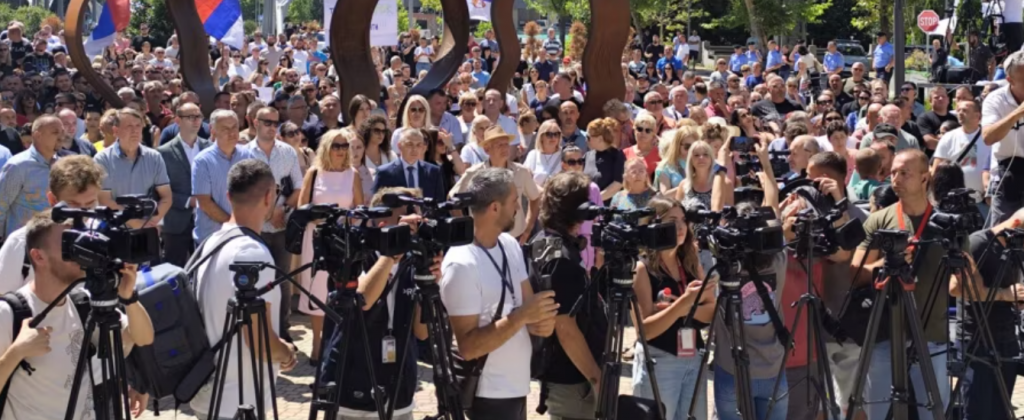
(928, 20)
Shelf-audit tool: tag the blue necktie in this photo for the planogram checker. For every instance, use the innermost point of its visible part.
(411, 180)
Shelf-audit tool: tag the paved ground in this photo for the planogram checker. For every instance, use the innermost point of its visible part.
(294, 393)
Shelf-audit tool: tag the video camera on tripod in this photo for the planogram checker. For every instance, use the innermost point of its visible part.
(741, 234)
(749, 164)
(437, 232)
(620, 235)
(957, 213)
(815, 225)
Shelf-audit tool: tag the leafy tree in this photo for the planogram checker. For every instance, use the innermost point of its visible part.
(250, 26)
(155, 13)
(772, 17)
(31, 16)
(304, 11)
(482, 28)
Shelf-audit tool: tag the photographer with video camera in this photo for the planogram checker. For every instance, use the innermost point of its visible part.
(571, 372)
(252, 191)
(490, 302)
(988, 247)
(910, 180)
(666, 284)
(52, 347)
(388, 292)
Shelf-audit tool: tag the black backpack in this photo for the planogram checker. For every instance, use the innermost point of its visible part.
(181, 359)
(19, 306)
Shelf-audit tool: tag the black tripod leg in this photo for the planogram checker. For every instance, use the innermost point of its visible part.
(648, 360)
(705, 355)
(230, 329)
(120, 372)
(931, 384)
(826, 387)
(339, 363)
(785, 358)
(610, 369)
(83, 362)
(864, 363)
(734, 320)
(377, 392)
(269, 361)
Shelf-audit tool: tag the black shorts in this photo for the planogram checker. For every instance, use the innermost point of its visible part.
(694, 54)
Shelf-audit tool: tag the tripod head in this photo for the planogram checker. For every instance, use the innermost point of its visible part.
(620, 234)
(437, 232)
(247, 274)
(893, 244)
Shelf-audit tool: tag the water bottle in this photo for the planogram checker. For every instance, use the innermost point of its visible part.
(665, 298)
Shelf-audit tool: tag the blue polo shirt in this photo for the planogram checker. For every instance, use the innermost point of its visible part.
(676, 63)
(883, 55)
(736, 61)
(751, 57)
(833, 61)
(210, 177)
(774, 59)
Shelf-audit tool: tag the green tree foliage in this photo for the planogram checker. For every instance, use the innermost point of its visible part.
(153, 12)
(304, 11)
(775, 17)
(403, 16)
(482, 28)
(31, 16)
(249, 26)
(669, 15)
(578, 10)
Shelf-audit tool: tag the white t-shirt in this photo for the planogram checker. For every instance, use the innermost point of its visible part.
(510, 127)
(974, 163)
(12, 259)
(999, 104)
(428, 50)
(471, 286)
(44, 394)
(473, 154)
(240, 70)
(300, 58)
(215, 286)
(513, 104)
(161, 64)
(543, 166)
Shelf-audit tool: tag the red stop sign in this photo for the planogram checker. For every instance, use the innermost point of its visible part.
(928, 20)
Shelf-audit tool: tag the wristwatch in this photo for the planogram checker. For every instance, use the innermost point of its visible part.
(131, 300)
(718, 168)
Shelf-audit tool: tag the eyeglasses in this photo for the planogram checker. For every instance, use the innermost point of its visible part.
(830, 119)
(645, 130)
(863, 98)
(552, 134)
(906, 89)
(339, 146)
(290, 133)
(575, 162)
(417, 110)
(268, 123)
(191, 117)
(825, 102)
(379, 131)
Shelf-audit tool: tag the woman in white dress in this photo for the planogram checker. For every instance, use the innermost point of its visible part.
(331, 180)
(472, 153)
(545, 160)
(374, 132)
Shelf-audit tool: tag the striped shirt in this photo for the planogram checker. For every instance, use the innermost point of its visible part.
(132, 177)
(284, 162)
(24, 180)
(210, 177)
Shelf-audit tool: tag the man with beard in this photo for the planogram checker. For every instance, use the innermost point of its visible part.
(777, 106)
(491, 273)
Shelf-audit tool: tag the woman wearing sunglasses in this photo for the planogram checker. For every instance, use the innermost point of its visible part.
(573, 161)
(672, 169)
(545, 160)
(331, 180)
(416, 115)
(441, 152)
(374, 132)
(646, 148)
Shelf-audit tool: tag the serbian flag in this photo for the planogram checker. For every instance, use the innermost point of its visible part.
(222, 20)
(113, 18)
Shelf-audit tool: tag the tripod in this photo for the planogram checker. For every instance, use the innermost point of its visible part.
(822, 386)
(428, 297)
(112, 401)
(895, 284)
(730, 304)
(619, 274)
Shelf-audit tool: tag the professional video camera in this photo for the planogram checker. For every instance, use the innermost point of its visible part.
(104, 241)
(957, 213)
(437, 232)
(741, 234)
(815, 225)
(749, 163)
(620, 230)
(338, 243)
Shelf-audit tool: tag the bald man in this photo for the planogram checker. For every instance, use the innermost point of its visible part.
(892, 115)
(801, 150)
(69, 144)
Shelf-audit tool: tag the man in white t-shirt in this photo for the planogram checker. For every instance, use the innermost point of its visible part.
(53, 347)
(975, 162)
(74, 180)
(474, 279)
(253, 194)
(493, 101)
(1002, 117)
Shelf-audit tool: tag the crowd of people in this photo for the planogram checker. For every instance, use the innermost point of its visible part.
(676, 142)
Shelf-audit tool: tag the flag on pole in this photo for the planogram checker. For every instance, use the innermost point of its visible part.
(114, 17)
(222, 20)
(479, 9)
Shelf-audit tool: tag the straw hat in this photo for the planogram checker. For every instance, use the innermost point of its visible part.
(495, 133)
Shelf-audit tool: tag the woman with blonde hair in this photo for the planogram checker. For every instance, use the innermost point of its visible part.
(645, 130)
(714, 135)
(331, 180)
(672, 168)
(472, 153)
(545, 160)
(697, 180)
(415, 115)
(636, 190)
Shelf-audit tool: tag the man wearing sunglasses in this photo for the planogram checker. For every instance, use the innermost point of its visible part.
(179, 155)
(210, 173)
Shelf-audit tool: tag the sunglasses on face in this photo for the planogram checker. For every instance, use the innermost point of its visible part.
(645, 130)
(268, 123)
(290, 133)
(575, 162)
(552, 134)
(417, 110)
(825, 102)
(471, 103)
(379, 131)
(830, 119)
(339, 146)
(906, 89)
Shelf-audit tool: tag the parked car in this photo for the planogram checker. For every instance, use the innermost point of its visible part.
(853, 53)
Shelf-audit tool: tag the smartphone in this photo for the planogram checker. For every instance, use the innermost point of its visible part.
(739, 144)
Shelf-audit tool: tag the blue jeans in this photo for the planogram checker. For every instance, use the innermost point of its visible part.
(677, 378)
(879, 385)
(760, 390)
(421, 67)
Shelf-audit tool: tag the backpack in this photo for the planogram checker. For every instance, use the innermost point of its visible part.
(181, 359)
(19, 306)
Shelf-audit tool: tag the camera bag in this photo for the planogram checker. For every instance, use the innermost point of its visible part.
(21, 310)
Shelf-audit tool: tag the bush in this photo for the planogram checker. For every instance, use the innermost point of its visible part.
(533, 45)
(31, 16)
(250, 26)
(918, 60)
(482, 28)
(579, 40)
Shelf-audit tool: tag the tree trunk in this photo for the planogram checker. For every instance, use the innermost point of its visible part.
(755, 26)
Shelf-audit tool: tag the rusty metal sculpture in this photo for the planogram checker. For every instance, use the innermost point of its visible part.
(350, 51)
(194, 52)
(76, 49)
(508, 44)
(602, 57)
(454, 46)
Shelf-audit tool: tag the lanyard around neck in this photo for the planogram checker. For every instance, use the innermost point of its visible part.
(502, 270)
(920, 227)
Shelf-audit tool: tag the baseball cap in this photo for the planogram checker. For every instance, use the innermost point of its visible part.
(885, 130)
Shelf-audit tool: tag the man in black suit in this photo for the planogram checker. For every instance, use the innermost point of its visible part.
(178, 155)
(411, 171)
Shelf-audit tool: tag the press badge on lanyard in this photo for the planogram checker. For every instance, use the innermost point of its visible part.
(389, 349)
(388, 345)
(686, 342)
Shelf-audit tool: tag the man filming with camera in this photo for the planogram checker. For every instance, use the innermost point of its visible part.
(492, 307)
(389, 291)
(53, 347)
(252, 191)
(910, 180)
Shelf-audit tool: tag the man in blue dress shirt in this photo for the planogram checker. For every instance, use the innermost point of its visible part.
(774, 62)
(834, 62)
(210, 174)
(737, 60)
(883, 58)
(753, 54)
